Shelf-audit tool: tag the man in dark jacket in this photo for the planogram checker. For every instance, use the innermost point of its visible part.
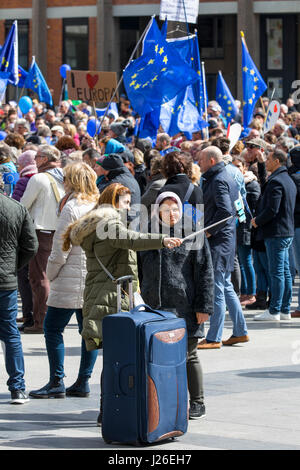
(115, 171)
(275, 223)
(294, 172)
(220, 192)
(18, 245)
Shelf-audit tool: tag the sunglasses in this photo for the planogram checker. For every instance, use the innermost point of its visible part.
(251, 146)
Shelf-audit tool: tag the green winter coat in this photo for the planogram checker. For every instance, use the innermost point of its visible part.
(118, 255)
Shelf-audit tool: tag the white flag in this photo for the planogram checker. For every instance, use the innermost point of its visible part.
(179, 10)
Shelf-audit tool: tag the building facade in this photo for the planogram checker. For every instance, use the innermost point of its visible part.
(101, 34)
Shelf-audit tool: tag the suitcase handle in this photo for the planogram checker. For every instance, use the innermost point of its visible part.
(123, 279)
(149, 309)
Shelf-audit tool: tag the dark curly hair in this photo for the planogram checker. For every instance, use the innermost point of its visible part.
(177, 162)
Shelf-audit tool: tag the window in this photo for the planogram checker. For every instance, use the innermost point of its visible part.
(129, 36)
(76, 43)
(211, 37)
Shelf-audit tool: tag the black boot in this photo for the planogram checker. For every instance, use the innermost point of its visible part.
(260, 303)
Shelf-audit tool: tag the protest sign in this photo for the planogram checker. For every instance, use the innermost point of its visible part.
(234, 134)
(272, 116)
(179, 10)
(92, 86)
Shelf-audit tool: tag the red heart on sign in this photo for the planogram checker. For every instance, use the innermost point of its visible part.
(275, 108)
(91, 80)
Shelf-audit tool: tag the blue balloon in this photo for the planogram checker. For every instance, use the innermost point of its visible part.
(63, 70)
(25, 104)
(93, 125)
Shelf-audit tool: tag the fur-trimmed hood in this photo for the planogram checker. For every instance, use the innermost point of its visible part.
(88, 223)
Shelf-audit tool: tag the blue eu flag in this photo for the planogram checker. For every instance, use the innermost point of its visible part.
(225, 99)
(157, 76)
(149, 122)
(9, 56)
(22, 77)
(184, 112)
(36, 82)
(253, 84)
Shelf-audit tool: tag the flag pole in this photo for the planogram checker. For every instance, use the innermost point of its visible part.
(121, 79)
(205, 98)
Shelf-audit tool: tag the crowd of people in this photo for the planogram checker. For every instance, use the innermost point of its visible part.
(72, 189)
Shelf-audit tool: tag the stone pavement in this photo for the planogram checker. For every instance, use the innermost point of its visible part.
(252, 397)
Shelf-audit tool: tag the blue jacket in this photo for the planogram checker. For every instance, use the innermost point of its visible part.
(219, 193)
(275, 211)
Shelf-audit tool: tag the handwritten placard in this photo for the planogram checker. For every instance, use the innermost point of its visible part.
(177, 10)
(92, 86)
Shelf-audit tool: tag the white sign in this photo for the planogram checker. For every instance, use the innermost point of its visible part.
(234, 134)
(179, 10)
(272, 116)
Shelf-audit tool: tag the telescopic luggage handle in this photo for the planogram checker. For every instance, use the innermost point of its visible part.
(148, 309)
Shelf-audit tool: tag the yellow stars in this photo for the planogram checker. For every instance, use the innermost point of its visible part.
(225, 97)
(154, 78)
(134, 76)
(156, 48)
(255, 79)
(250, 101)
(179, 107)
(137, 86)
(145, 84)
(164, 69)
(151, 61)
(199, 72)
(229, 102)
(161, 51)
(245, 69)
(256, 88)
(132, 83)
(252, 72)
(165, 60)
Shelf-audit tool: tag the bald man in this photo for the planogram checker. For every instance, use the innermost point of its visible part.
(220, 192)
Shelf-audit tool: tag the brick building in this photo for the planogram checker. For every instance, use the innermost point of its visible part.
(100, 35)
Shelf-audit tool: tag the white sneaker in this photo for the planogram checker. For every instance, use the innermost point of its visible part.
(285, 316)
(267, 316)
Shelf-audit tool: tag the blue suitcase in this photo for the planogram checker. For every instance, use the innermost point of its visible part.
(144, 394)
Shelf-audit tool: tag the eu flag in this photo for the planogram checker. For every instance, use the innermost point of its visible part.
(157, 76)
(22, 77)
(149, 122)
(9, 56)
(225, 99)
(253, 84)
(184, 112)
(36, 82)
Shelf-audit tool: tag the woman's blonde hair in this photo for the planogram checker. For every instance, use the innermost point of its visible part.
(81, 180)
(112, 193)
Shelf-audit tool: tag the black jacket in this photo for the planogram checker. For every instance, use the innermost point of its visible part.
(244, 230)
(18, 241)
(275, 210)
(179, 185)
(179, 280)
(294, 172)
(219, 193)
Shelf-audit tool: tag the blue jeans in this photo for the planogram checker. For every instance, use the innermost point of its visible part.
(279, 268)
(225, 295)
(54, 324)
(296, 252)
(10, 335)
(248, 285)
(260, 262)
